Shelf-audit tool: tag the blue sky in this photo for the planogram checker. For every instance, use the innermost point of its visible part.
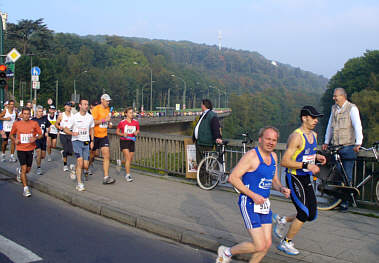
(318, 36)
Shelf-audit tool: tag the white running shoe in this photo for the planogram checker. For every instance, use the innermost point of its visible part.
(72, 167)
(12, 159)
(3, 158)
(221, 257)
(26, 192)
(288, 247)
(65, 168)
(73, 175)
(39, 171)
(279, 224)
(80, 187)
(18, 178)
(49, 158)
(129, 178)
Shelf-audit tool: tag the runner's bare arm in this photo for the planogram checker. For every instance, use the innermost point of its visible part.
(276, 184)
(2, 116)
(118, 132)
(294, 143)
(58, 122)
(248, 163)
(12, 133)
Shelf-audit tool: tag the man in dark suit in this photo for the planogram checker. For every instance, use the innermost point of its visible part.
(207, 131)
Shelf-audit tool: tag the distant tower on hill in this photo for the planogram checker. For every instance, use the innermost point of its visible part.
(219, 39)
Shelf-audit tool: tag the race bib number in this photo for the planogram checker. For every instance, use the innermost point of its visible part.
(53, 129)
(103, 125)
(263, 208)
(8, 127)
(129, 129)
(25, 138)
(82, 131)
(309, 159)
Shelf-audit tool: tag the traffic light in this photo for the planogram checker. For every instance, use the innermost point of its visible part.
(3, 76)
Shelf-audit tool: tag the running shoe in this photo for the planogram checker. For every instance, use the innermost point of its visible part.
(279, 223)
(65, 168)
(89, 171)
(129, 178)
(18, 178)
(72, 167)
(12, 159)
(26, 192)
(288, 247)
(3, 158)
(221, 257)
(80, 187)
(49, 158)
(108, 180)
(72, 175)
(39, 171)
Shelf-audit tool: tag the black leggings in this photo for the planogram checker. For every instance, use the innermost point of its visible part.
(302, 196)
(67, 144)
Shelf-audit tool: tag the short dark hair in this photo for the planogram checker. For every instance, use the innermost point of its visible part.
(11, 101)
(25, 109)
(207, 103)
(80, 101)
(128, 109)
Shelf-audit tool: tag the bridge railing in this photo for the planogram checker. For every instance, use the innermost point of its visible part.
(166, 153)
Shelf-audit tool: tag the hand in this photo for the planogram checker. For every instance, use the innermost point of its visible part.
(17, 141)
(313, 168)
(32, 139)
(356, 148)
(219, 141)
(258, 199)
(321, 159)
(75, 133)
(8, 119)
(108, 118)
(135, 133)
(285, 191)
(110, 125)
(324, 147)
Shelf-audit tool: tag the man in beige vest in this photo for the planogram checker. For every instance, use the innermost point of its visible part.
(344, 128)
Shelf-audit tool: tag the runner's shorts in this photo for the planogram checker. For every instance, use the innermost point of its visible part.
(7, 135)
(53, 136)
(128, 144)
(67, 144)
(41, 144)
(99, 143)
(252, 219)
(25, 158)
(81, 149)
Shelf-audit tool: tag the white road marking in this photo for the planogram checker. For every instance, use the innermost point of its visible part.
(17, 253)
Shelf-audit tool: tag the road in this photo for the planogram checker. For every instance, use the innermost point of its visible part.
(57, 232)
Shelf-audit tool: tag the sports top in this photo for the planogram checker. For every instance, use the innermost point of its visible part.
(25, 130)
(99, 113)
(306, 153)
(53, 129)
(66, 122)
(43, 123)
(7, 125)
(260, 180)
(82, 124)
(128, 128)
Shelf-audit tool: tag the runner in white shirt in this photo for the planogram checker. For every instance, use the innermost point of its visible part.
(8, 116)
(65, 120)
(81, 130)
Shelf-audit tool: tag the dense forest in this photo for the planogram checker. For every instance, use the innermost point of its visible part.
(259, 91)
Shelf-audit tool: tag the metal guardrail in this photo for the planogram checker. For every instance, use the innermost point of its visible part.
(166, 153)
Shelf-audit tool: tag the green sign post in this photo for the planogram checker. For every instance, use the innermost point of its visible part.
(1, 60)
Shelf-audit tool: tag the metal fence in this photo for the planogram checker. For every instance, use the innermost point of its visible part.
(167, 153)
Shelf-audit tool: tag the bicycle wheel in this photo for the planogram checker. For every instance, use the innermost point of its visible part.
(208, 173)
(377, 191)
(324, 201)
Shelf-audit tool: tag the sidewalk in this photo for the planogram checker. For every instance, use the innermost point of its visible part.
(181, 211)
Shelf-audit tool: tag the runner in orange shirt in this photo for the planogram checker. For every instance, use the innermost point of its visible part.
(27, 132)
(102, 116)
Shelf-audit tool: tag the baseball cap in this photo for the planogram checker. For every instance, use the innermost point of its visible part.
(52, 107)
(310, 111)
(68, 103)
(6, 103)
(105, 97)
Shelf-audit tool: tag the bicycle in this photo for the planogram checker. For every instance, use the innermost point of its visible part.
(335, 187)
(211, 170)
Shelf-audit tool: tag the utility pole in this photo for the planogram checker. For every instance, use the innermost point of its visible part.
(1, 57)
(56, 94)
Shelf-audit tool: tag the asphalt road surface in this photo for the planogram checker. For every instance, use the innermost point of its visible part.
(43, 229)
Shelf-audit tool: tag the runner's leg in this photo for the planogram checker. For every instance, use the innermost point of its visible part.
(105, 153)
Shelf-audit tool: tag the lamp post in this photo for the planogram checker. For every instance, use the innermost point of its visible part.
(151, 84)
(184, 91)
(85, 71)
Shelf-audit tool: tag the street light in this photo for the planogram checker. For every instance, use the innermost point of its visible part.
(184, 91)
(151, 84)
(85, 71)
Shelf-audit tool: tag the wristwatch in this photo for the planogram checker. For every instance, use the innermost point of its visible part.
(305, 165)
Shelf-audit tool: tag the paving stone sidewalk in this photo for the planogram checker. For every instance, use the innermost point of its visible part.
(180, 210)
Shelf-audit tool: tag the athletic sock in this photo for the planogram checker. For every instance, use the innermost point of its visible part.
(11, 155)
(26, 188)
(64, 163)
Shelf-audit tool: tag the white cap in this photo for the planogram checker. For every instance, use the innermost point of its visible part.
(105, 97)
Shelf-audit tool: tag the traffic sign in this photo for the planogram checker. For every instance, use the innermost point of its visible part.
(13, 55)
(35, 78)
(36, 71)
(36, 84)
